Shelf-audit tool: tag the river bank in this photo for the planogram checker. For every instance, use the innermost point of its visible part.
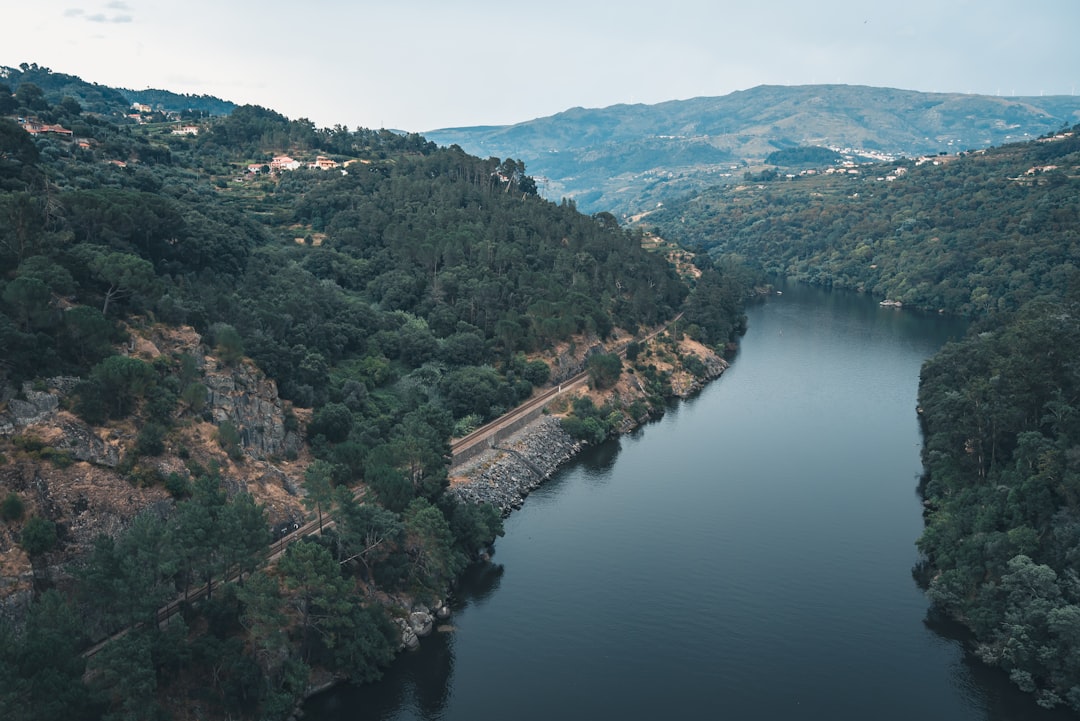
(505, 473)
(778, 505)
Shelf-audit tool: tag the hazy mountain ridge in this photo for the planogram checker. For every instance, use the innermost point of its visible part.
(626, 158)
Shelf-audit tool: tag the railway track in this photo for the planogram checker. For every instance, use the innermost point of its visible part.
(272, 552)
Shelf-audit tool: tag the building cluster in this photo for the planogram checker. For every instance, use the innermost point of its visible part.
(283, 162)
(141, 112)
(36, 127)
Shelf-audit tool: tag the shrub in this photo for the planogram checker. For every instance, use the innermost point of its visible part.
(228, 437)
(12, 508)
(604, 369)
(38, 536)
(178, 486)
(151, 441)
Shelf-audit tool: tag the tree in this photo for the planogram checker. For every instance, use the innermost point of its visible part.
(604, 369)
(245, 534)
(8, 103)
(228, 344)
(474, 525)
(315, 589)
(30, 302)
(113, 387)
(364, 641)
(391, 486)
(41, 669)
(31, 96)
(125, 275)
(38, 536)
(333, 421)
(264, 619)
(228, 437)
(124, 674)
(367, 533)
(87, 334)
(12, 507)
(318, 482)
(430, 544)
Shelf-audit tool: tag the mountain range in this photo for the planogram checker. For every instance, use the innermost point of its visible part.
(629, 158)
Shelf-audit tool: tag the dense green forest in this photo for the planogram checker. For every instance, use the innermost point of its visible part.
(1002, 488)
(397, 296)
(994, 235)
(984, 232)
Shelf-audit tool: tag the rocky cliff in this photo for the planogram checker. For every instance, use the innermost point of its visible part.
(90, 480)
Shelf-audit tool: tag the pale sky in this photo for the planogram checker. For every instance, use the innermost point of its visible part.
(421, 65)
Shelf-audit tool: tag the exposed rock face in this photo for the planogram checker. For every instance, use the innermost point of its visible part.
(83, 444)
(568, 363)
(245, 397)
(684, 385)
(34, 406)
(81, 490)
(409, 641)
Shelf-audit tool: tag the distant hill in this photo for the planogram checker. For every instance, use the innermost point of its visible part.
(105, 100)
(92, 97)
(168, 101)
(628, 158)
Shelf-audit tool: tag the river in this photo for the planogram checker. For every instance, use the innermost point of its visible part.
(748, 556)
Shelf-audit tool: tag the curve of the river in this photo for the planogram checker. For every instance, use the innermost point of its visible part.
(749, 556)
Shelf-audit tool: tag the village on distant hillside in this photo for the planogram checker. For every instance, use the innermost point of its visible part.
(143, 114)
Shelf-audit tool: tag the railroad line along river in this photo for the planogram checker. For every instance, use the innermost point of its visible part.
(748, 556)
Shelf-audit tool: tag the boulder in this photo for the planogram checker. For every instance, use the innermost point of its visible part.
(421, 623)
(409, 640)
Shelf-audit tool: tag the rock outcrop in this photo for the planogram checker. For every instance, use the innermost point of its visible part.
(88, 482)
(245, 397)
(505, 475)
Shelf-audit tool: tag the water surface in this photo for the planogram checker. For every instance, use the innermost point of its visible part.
(749, 556)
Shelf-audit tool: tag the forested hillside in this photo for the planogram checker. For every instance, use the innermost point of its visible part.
(397, 294)
(986, 231)
(994, 235)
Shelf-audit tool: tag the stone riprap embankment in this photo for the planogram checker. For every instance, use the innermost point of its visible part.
(505, 474)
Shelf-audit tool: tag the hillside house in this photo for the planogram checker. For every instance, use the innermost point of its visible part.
(323, 163)
(36, 127)
(283, 162)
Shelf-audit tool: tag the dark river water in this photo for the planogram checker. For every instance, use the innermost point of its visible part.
(748, 556)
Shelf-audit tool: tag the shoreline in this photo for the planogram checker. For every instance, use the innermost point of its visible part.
(505, 474)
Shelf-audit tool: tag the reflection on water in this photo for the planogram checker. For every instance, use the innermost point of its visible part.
(419, 682)
(987, 688)
(599, 461)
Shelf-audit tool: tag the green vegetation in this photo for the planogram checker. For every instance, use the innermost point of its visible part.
(804, 156)
(973, 235)
(12, 507)
(1003, 484)
(993, 235)
(397, 296)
